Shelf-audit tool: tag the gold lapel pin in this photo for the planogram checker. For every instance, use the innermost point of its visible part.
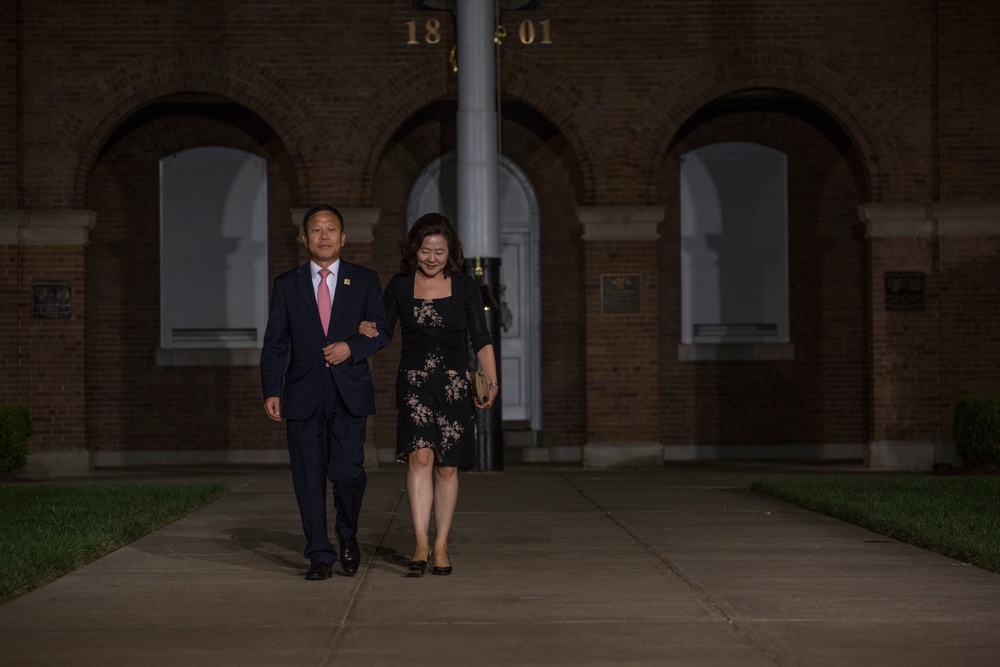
(347, 281)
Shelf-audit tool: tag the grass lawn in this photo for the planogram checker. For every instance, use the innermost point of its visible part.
(48, 530)
(958, 516)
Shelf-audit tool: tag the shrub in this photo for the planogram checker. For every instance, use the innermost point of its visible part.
(15, 427)
(977, 430)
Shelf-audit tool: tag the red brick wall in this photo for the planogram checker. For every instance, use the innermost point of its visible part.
(635, 73)
(347, 112)
(8, 106)
(968, 98)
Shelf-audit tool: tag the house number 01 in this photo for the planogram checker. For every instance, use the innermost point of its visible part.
(527, 32)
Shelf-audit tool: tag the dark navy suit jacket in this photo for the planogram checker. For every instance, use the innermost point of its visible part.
(291, 361)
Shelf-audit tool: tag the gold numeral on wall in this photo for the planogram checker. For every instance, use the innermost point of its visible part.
(432, 32)
(527, 32)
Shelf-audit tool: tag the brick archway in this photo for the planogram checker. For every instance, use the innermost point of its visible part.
(838, 94)
(122, 91)
(428, 80)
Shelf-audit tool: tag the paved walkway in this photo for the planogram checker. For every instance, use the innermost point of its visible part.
(680, 566)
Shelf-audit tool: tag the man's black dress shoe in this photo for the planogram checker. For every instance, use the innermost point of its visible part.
(350, 557)
(319, 571)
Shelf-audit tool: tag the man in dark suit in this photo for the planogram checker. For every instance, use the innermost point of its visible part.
(314, 372)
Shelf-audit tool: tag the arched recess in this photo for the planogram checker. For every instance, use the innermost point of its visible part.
(128, 89)
(818, 84)
(729, 393)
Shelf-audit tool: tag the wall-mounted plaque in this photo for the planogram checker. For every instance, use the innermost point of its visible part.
(621, 294)
(904, 290)
(51, 301)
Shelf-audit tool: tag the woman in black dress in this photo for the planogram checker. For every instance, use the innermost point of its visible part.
(440, 310)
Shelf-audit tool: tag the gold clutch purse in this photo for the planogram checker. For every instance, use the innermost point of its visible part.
(482, 387)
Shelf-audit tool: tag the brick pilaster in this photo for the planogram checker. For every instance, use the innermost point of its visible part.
(904, 344)
(622, 359)
(44, 282)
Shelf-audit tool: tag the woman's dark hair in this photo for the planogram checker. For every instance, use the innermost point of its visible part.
(432, 224)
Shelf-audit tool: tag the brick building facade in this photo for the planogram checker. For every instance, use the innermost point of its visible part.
(887, 113)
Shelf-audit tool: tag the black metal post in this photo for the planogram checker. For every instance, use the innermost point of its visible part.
(489, 445)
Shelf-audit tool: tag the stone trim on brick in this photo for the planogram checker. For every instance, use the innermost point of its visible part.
(598, 455)
(803, 451)
(915, 219)
(59, 463)
(896, 219)
(917, 456)
(177, 457)
(966, 219)
(46, 227)
(620, 223)
(735, 351)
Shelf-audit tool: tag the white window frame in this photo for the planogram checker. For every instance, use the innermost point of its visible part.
(734, 253)
(213, 256)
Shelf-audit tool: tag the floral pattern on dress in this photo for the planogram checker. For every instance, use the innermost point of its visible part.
(451, 433)
(434, 407)
(417, 378)
(457, 388)
(419, 413)
(426, 315)
(420, 443)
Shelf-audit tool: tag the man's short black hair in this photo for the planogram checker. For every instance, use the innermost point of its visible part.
(316, 209)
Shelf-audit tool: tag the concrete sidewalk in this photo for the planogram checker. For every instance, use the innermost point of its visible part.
(676, 566)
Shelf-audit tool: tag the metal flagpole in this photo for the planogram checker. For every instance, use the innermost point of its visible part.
(477, 194)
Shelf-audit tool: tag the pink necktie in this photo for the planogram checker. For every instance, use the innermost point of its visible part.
(323, 299)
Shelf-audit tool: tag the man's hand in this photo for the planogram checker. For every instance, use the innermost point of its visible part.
(272, 406)
(337, 353)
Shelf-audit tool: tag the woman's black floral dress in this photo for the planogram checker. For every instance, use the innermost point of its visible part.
(434, 405)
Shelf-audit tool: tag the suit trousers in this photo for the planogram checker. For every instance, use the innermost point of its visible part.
(329, 445)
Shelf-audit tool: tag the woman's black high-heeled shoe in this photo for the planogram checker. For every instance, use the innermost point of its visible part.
(417, 567)
(441, 570)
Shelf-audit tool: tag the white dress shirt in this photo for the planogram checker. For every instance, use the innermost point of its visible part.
(331, 280)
